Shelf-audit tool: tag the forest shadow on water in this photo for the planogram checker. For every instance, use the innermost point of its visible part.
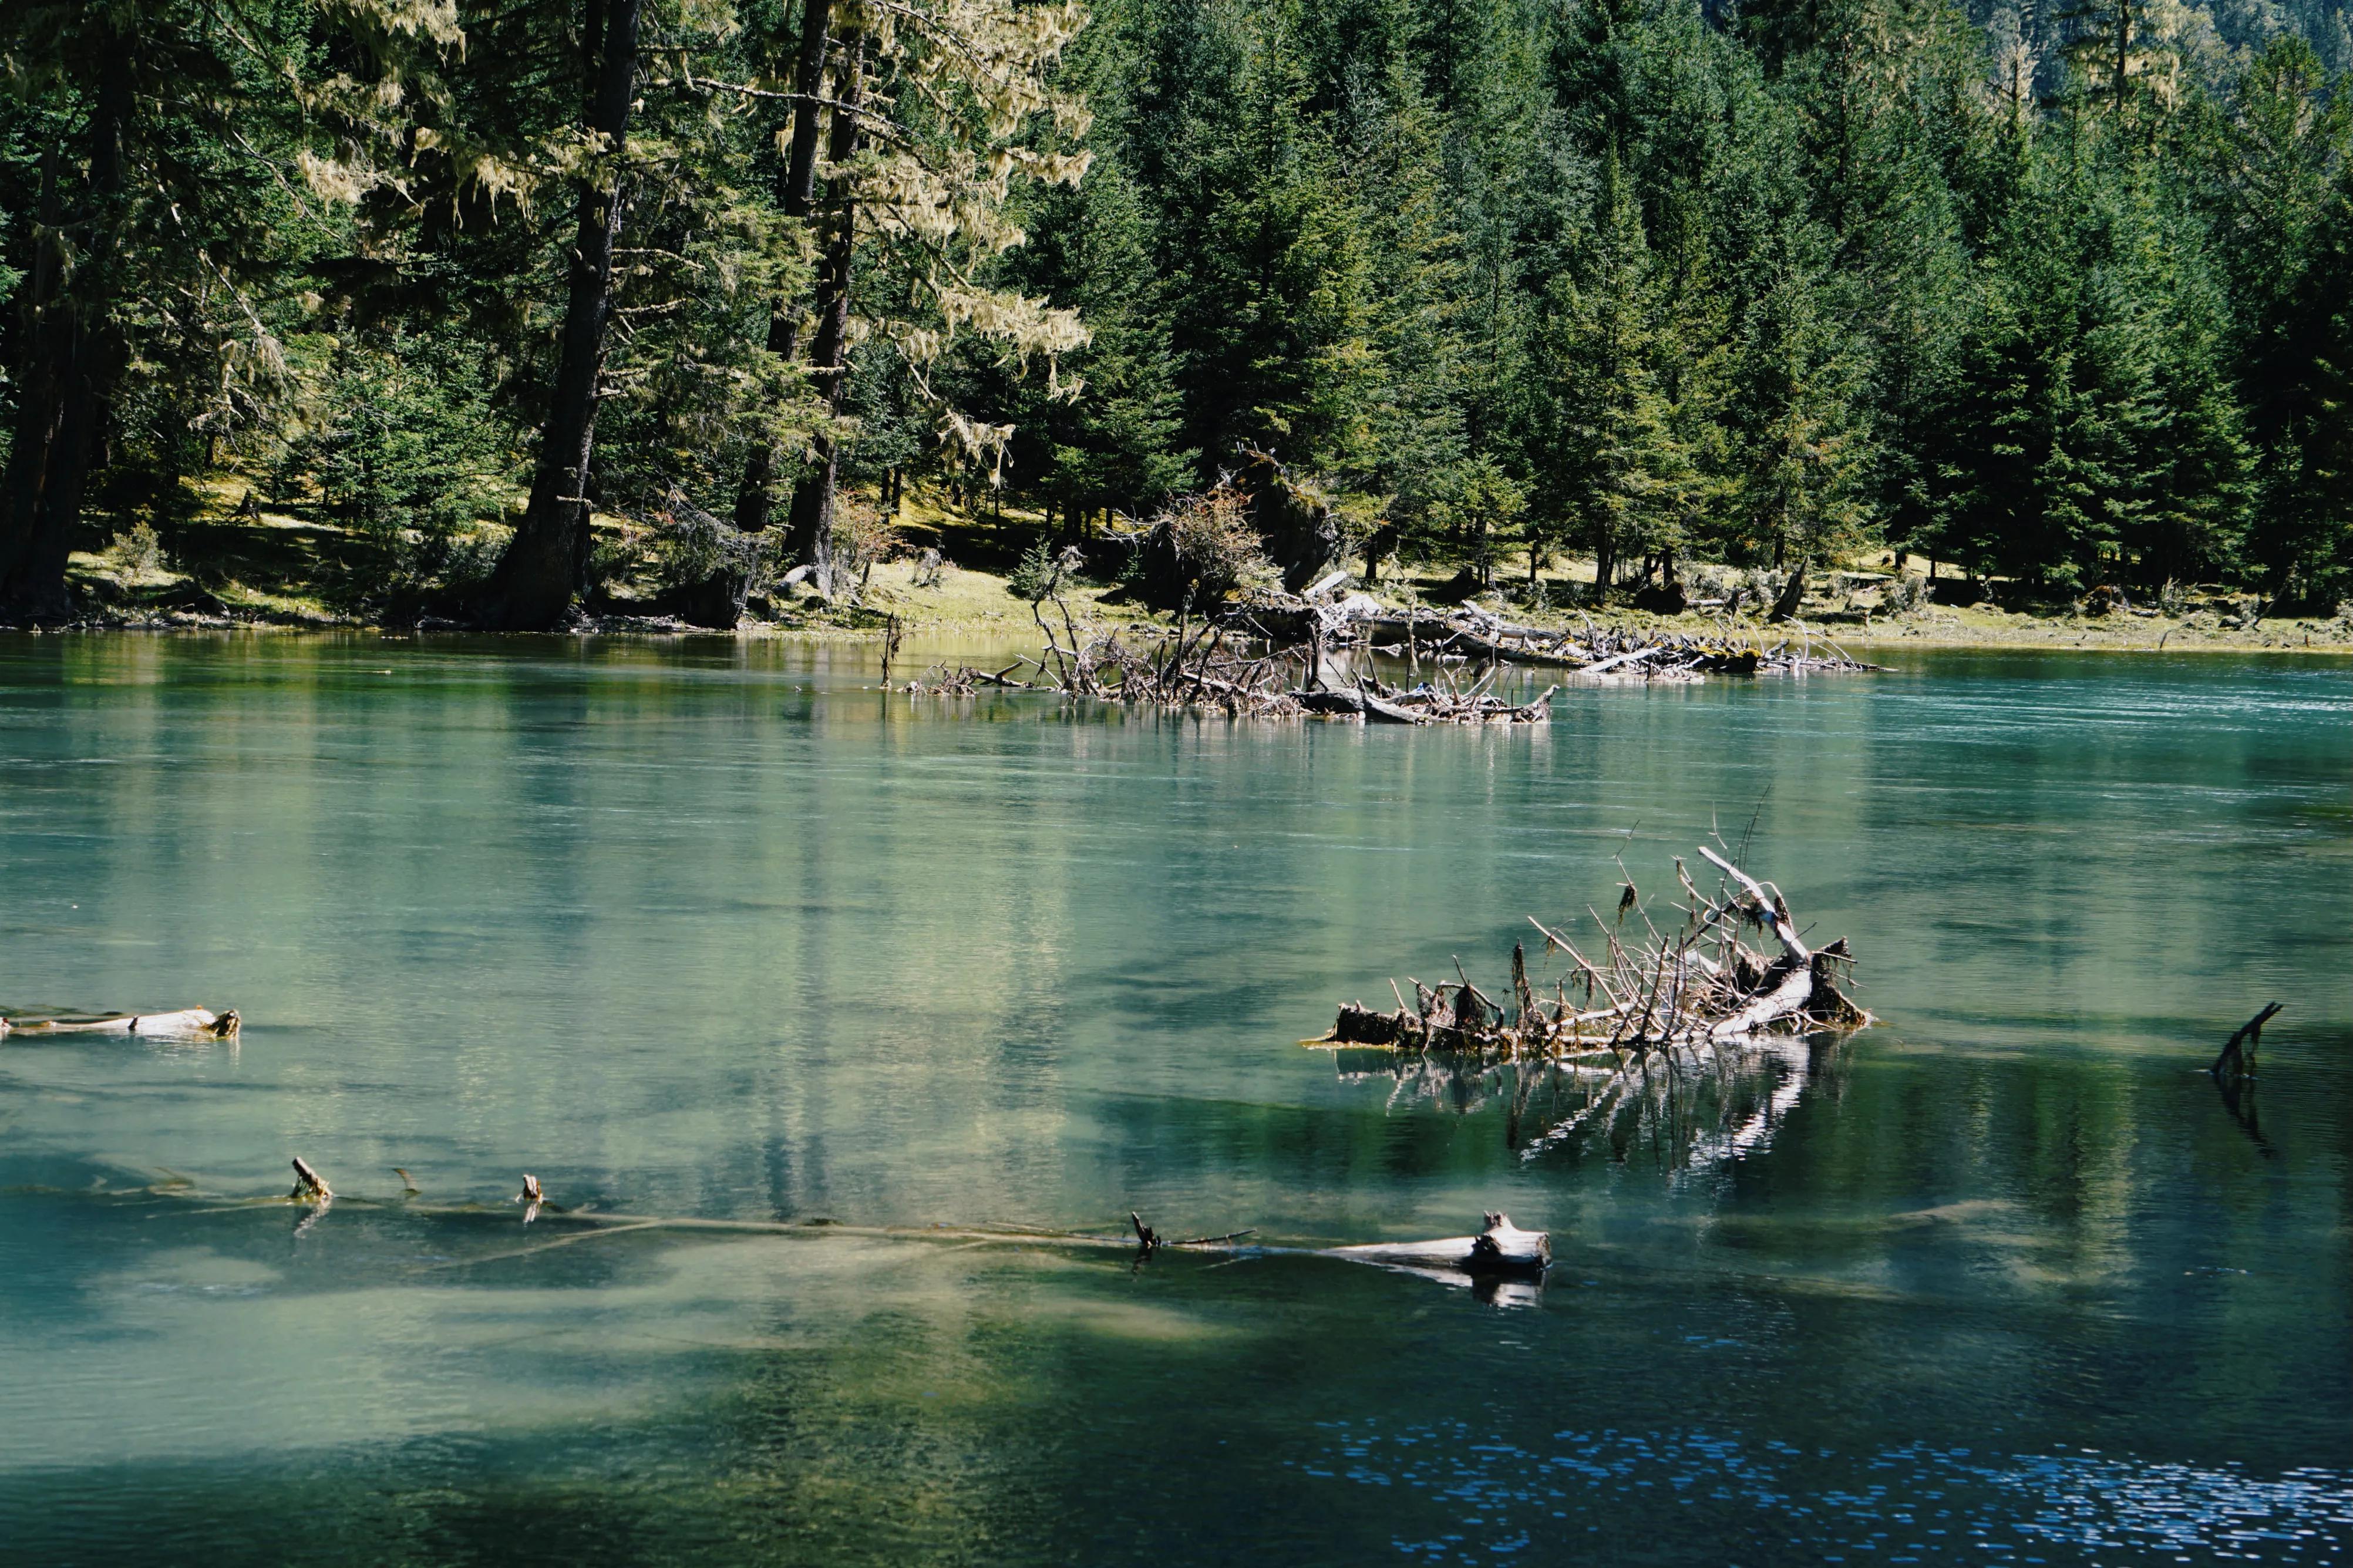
(714, 933)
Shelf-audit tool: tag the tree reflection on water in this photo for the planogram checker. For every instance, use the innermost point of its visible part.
(1683, 1110)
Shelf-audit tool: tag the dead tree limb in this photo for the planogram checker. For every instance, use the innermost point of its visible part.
(1657, 992)
(2238, 1054)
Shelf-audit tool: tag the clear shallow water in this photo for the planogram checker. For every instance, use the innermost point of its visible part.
(702, 931)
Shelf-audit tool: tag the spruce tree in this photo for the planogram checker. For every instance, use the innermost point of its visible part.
(170, 128)
(1610, 461)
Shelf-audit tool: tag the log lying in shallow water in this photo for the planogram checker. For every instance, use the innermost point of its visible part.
(188, 1022)
(1501, 1248)
(1692, 988)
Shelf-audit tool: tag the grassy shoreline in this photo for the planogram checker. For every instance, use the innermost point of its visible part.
(978, 605)
(280, 568)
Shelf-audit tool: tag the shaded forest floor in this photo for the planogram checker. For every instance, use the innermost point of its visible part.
(236, 562)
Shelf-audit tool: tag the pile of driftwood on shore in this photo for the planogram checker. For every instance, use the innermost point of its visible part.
(1286, 655)
(1695, 987)
(1231, 667)
(1468, 634)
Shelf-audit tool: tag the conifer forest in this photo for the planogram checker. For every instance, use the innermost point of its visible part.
(2057, 294)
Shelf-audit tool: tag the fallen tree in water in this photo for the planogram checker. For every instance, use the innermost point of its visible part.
(1500, 1251)
(1687, 989)
(188, 1022)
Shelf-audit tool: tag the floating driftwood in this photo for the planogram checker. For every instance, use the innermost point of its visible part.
(1696, 986)
(310, 1187)
(188, 1022)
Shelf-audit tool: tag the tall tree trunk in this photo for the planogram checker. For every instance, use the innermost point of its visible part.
(1605, 564)
(812, 516)
(545, 570)
(68, 368)
(796, 193)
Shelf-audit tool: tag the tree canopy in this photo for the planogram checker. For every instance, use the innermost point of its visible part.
(2059, 293)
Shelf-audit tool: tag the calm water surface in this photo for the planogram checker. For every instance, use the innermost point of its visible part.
(725, 933)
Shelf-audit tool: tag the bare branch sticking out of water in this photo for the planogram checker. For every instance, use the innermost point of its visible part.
(1651, 994)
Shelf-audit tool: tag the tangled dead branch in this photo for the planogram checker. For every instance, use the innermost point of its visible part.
(1284, 655)
(1470, 634)
(1690, 990)
(1229, 665)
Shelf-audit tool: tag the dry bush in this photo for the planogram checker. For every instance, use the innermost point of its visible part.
(1902, 593)
(862, 535)
(1215, 544)
(137, 552)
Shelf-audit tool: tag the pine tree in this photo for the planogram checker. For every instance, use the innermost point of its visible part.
(153, 207)
(1609, 456)
(2304, 538)
(1093, 248)
(1114, 447)
(545, 570)
(1269, 282)
(2274, 164)
(933, 106)
(1803, 450)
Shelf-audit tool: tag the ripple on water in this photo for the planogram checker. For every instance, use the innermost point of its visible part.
(1893, 1505)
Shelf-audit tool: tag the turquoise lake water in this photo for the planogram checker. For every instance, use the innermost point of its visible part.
(712, 931)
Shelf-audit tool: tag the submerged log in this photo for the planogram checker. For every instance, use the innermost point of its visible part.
(188, 1022)
(1500, 1250)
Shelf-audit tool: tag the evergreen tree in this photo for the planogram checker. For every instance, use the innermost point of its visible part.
(1092, 247)
(1802, 453)
(2059, 295)
(2274, 166)
(1610, 461)
(1269, 282)
(152, 210)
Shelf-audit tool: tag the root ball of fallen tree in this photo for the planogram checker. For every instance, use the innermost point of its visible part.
(1695, 986)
